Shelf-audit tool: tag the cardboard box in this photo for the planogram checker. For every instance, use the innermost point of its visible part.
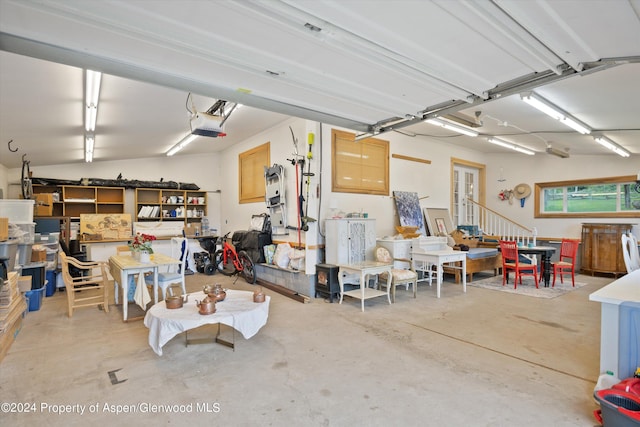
(24, 283)
(38, 255)
(4, 229)
(44, 204)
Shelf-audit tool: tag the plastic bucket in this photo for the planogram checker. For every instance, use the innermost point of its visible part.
(618, 408)
(35, 298)
(51, 283)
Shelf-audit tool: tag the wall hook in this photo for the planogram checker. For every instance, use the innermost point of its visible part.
(9, 146)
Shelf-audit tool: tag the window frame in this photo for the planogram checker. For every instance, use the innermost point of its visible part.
(248, 172)
(539, 187)
(360, 187)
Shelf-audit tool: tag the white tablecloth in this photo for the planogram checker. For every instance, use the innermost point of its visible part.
(237, 311)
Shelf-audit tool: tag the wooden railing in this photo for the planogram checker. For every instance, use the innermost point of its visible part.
(492, 223)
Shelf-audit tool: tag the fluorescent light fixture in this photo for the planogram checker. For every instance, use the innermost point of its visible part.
(557, 152)
(551, 110)
(511, 146)
(91, 95)
(609, 144)
(451, 126)
(188, 139)
(89, 142)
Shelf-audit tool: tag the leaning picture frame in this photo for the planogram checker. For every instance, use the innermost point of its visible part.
(438, 221)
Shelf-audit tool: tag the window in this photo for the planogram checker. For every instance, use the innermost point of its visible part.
(359, 167)
(614, 197)
(251, 169)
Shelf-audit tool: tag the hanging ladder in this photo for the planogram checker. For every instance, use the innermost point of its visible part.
(275, 198)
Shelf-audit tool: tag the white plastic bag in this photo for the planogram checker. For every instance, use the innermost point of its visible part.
(297, 259)
(283, 255)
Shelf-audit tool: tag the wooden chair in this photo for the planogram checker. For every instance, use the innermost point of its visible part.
(400, 276)
(567, 262)
(511, 262)
(89, 289)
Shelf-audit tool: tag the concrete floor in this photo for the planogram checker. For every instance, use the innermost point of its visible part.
(483, 358)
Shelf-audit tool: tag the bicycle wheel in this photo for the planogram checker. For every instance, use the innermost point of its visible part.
(248, 270)
(218, 260)
(209, 269)
(27, 188)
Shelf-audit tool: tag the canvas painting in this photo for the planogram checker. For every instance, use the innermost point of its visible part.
(409, 212)
(105, 226)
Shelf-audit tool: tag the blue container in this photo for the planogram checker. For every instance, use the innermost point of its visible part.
(629, 339)
(35, 298)
(51, 283)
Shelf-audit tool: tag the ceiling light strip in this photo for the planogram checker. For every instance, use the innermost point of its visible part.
(89, 143)
(511, 146)
(91, 96)
(610, 145)
(188, 139)
(453, 127)
(557, 113)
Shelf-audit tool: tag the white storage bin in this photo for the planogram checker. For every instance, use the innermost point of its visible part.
(25, 231)
(18, 211)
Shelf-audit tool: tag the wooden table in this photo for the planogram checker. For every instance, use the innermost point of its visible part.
(123, 266)
(545, 253)
(364, 269)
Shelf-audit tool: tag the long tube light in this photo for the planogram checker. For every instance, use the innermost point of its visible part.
(609, 144)
(89, 142)
(451, 126)
(91, 95)
(555, 112)
(181, 144)
(511, 146)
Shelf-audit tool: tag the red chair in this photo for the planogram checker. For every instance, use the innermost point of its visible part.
(511, 262)
(567, 262)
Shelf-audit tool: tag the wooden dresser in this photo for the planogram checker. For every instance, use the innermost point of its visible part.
(602, 248)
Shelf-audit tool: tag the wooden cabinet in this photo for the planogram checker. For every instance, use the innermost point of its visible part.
(350, 240)
(154, 204)
(602, 248)
(73, 200)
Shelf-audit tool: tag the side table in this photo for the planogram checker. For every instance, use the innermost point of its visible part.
(366, 268)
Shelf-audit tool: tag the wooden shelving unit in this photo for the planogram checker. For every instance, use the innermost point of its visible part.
(74, 200)
(189, 206)
(170, 205)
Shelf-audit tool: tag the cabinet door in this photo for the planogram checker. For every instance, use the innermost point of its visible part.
(362, 240)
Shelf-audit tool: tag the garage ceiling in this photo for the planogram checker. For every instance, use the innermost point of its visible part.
(371, 66)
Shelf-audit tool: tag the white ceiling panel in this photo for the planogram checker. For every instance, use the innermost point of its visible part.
(365, 65)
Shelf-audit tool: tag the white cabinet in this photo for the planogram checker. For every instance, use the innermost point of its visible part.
(398, 248)
(350, 240)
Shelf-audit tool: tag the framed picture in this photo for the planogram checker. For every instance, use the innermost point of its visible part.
(438, 221)
(442, 229)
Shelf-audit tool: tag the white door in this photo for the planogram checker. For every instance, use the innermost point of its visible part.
(465, 185)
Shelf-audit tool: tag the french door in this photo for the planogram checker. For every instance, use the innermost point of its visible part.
(465, 185)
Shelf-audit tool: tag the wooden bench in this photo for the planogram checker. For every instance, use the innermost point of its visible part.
(475, 265)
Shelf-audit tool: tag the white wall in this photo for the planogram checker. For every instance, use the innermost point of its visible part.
(220, 172)
(541, 168)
